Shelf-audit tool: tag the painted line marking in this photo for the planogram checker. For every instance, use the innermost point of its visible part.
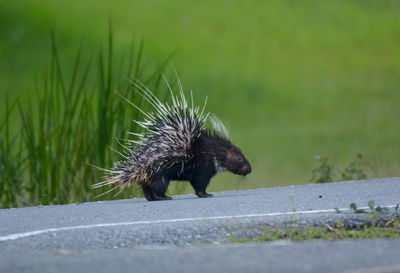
(16, 236)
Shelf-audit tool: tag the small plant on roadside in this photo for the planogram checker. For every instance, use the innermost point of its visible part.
(355, 209)
(324, 173)
(396, 211)
(354, 170)
(371, 205)
(379, 216)
(293, 210)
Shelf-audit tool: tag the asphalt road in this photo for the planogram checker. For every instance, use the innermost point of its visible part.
(371, 256)
(96, 233)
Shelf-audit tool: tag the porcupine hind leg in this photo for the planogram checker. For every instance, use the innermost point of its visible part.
(160, 185)
(199, 184)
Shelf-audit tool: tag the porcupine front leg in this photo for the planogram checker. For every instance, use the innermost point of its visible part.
(148, 192)
(199, 184)
(159, 186)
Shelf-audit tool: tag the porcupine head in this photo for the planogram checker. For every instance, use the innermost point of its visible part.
(176, 145)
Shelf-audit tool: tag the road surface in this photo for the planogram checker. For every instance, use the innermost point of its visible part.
(95, 233)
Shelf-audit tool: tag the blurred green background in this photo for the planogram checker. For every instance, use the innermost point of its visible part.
(292, 79)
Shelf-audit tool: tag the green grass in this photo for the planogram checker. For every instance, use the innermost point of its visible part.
(75, 120)
(387, 228)
(326, 233)
(291, 79)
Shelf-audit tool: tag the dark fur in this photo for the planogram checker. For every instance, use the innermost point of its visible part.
(200, 167)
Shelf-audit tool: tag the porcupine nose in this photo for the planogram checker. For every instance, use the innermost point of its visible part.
(246, 169)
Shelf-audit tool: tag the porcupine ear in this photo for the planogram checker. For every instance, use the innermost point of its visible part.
(218, 126)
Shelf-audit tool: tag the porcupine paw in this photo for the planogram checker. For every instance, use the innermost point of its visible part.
(149, 197)
(203, 194)
(159, 198)
(148, 193)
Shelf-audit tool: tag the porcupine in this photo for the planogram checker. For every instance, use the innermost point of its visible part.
(176, 145)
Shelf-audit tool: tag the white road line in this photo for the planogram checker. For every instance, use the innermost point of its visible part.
(16, 236)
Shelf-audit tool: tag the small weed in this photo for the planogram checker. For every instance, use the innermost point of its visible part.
(339, 224)
(353, 207)
(325, 172)
(354, 170)
(230, 229)
(293, 210)
(396, 211)
(232, 238)
(371, 205)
